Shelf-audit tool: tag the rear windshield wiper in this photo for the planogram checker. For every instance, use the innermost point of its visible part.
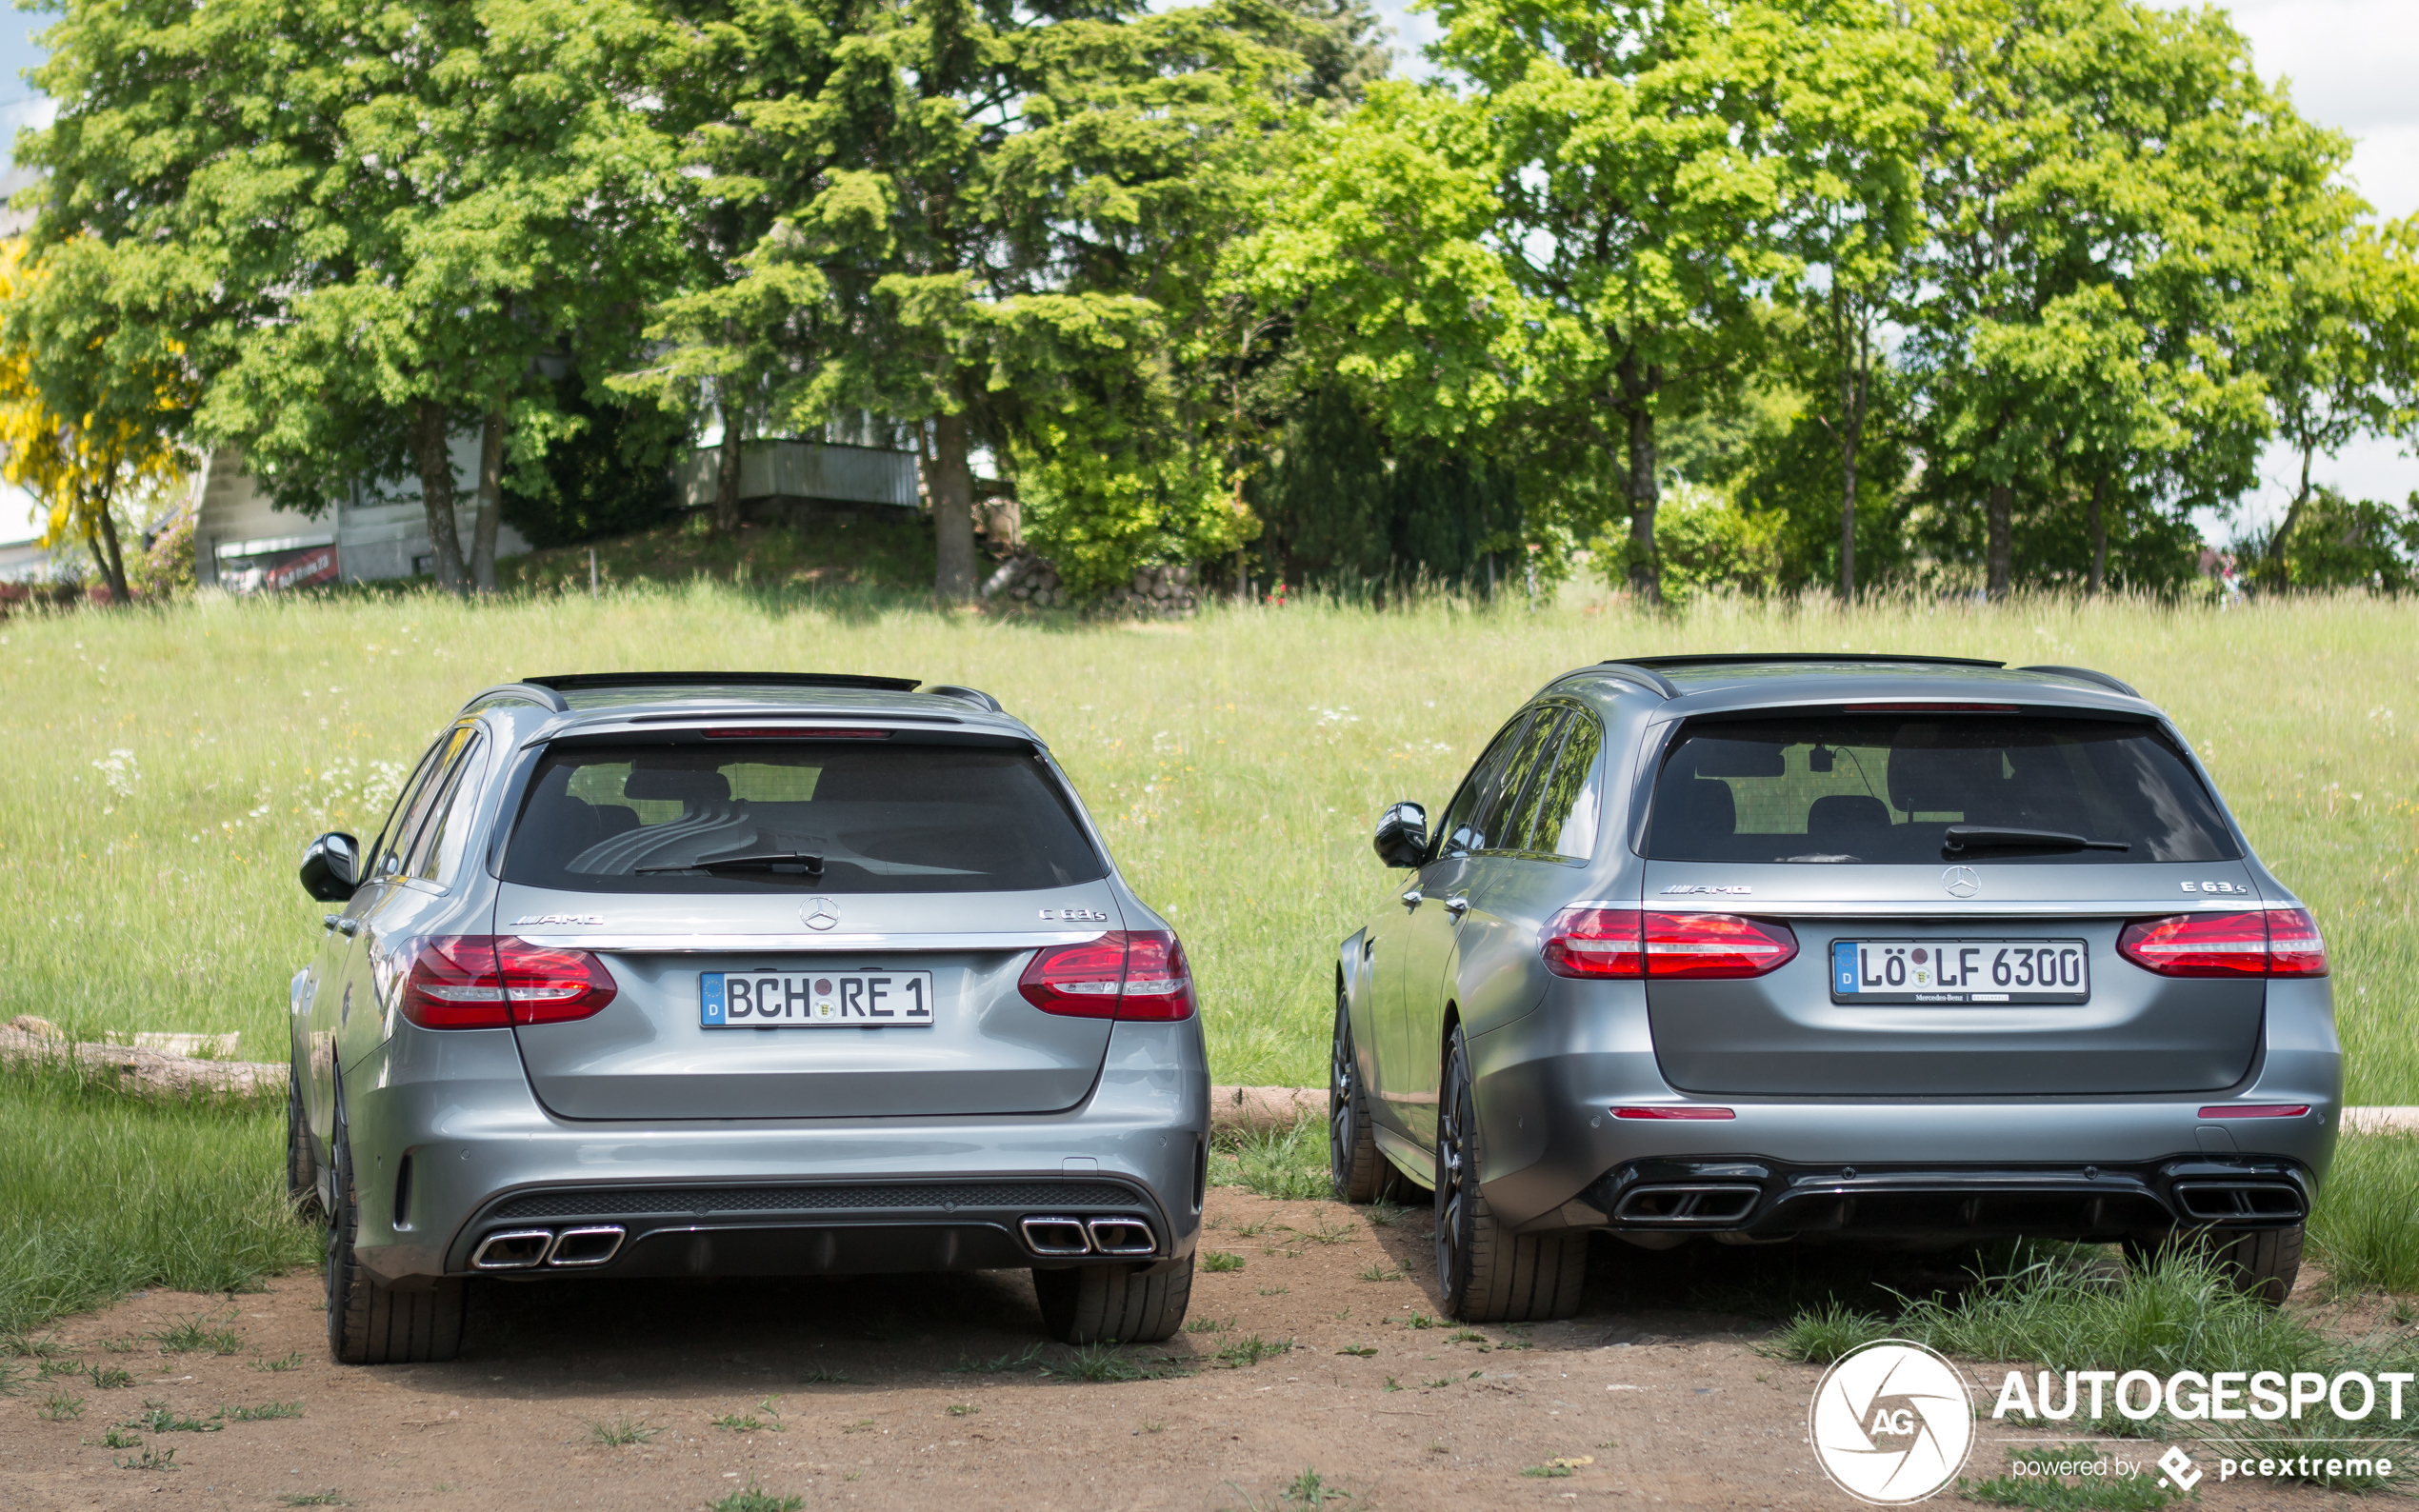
(1962, 838)
(808, 863)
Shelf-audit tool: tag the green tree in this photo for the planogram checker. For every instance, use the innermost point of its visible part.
(1566, 243)
(2332, 322)
(2097, 178)
(361, 228)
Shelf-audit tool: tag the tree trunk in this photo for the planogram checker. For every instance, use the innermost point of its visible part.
(952, 510)
(2278, 571)
(113, 562)
(491, 502)
(1999, 512)
(2099, 535)
(1850, 431)
(727, 460)
(1638, 384)
(434, 459)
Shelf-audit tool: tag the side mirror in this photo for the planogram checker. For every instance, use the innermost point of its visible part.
(331, 867)
(1401, 835)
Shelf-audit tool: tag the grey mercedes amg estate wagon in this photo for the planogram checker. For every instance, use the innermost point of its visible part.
(725, 974)
(1903, 950)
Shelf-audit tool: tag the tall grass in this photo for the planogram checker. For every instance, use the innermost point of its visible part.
(102, 1192)
(2366, 1226)
(1235, 761)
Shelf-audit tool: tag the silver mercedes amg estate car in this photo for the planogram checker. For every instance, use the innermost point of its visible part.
(1897, 951)
(739, 974)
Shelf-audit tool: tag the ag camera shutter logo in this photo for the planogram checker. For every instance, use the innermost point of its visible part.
(1891, 1423)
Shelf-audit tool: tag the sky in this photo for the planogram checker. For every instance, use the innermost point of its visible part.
(2351, 64)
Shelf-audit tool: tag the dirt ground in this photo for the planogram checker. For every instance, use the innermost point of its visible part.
(931, 1392)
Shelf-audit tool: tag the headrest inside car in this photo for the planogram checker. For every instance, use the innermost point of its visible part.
(687, 785)
(1708, 757)
(1945, 780)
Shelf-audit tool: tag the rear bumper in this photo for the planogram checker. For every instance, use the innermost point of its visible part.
(451, 1149)
(1757, 1198)
(1548, 1084)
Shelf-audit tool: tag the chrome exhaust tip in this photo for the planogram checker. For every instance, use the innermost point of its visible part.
(1122, 1236)
(586, 1246)
(1058, 1238)
(512, 1249)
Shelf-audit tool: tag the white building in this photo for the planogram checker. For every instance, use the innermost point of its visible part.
(242, 541)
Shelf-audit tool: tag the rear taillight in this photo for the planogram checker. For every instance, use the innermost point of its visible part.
(2272, 942)
(1121, 975)
(484, 982)
(1595, 941)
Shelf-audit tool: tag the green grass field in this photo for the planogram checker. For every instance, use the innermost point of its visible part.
(161, 769)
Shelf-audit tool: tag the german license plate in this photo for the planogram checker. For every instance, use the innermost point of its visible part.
(1960, 971)
(814, 1000)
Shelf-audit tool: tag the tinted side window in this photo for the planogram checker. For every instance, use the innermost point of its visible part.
(1567, 800)
(1525, 782)
(1461, 833)
(798, 817)
(1885, 788)
(384, 856)
(437, 850)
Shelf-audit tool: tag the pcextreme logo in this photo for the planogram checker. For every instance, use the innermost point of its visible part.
(1891, 1423)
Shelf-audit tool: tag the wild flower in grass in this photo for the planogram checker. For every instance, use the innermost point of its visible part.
(120, 771)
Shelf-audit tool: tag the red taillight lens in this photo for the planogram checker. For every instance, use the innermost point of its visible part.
(1586, 942)
(552, 986)
(1121, 975)
(1601, 941)
(2273, 942)
(453, 984)
(481, 982)
(2294, 949)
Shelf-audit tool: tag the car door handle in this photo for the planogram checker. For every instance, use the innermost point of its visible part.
(1457, 906)
(1414, 897)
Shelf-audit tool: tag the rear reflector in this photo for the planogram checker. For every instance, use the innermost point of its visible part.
(1597, 941)
(486, 982)
(1124, 974)
(2271, 943)
(2257, 1110)
(794, 733)
(1673, 1112)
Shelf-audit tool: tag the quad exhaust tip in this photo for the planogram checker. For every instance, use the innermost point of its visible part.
(1122, 1236)
(529, 1248)
(1056, 1237)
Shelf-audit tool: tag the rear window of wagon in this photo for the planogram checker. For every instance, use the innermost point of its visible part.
(1885, 788)
(886, 817)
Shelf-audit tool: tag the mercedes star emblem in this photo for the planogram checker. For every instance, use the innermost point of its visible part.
(1962, 881)
(820, 914)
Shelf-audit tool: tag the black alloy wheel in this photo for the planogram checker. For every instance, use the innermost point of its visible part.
(1485, 1274)
(1359, 1171)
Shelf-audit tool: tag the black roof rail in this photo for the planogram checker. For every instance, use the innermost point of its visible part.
(522, 693)
(2088, 676)
(966, 695)
(1750, 658)
(588, 682)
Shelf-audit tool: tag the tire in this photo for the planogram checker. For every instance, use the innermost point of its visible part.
(1483, 1274)
(302, 1163)
(1359, 1171)
(1091, 1305)
(2262, 1264)
(370, 1323)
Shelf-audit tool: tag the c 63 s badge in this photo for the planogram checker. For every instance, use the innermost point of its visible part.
(1074, 915)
